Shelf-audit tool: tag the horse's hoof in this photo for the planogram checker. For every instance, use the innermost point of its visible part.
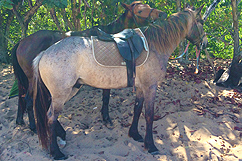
(60, 158)
(110, 122)
(21, 122)
(137, 137)
(34, 130)
(155, 152)
(140, 140)
(107, 121)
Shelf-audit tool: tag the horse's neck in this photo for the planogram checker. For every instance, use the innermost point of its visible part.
(115, 26)
(182, 35)
(174, 40)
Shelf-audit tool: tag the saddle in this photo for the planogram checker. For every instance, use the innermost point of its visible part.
(130, 46)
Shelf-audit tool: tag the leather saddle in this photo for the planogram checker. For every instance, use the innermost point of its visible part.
(128, 42)
(130, 46)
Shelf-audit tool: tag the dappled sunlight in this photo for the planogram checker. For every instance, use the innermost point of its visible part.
(193, 121)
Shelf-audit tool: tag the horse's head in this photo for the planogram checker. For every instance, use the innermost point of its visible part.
(140, 14)
(196, 35)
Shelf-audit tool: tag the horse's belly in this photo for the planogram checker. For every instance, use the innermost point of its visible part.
(104, 77)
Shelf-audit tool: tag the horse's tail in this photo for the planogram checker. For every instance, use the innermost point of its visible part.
(41, 103)
(19, 73)
(23, 82)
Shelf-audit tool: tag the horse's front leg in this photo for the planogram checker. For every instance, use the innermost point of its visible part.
(149, 96)
(104, 110)
(133, 130)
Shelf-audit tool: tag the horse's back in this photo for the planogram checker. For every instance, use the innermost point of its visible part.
(61, 62)
(32, 45)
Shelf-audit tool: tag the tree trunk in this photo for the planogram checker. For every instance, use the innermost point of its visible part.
(235, 70)
(4, 34)
(236, 66)
(54, 17)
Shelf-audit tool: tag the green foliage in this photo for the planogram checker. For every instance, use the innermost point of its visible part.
(101, 12)
(7, 4)
(55, 3)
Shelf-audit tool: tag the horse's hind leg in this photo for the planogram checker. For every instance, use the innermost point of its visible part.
(29, 105)
(21, 106)
(54, 127)
(61, 133)
(149, 95)
(104, 110)
(54, 148)
(133, 130)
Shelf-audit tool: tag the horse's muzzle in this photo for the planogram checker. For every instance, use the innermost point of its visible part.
(203, 44)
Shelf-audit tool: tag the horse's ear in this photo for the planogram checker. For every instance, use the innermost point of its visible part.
(126, 6)
(188, 5)
(198, 11)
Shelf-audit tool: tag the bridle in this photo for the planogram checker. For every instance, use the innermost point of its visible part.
(200, 40)
(197, 41)
(136, 16)
(201, 36)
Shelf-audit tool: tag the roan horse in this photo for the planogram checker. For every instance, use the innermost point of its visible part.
(135, 15)
(64, 66)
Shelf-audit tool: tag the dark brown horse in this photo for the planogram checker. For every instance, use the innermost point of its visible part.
(135, 15)
(64, 66)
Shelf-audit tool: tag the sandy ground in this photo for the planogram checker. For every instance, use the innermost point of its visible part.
(195, 120)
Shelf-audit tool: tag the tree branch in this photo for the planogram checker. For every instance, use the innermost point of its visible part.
(86, 3)
(18, 16)
(30, 3)
(32, 11)
(231, 31)
(66, 20)
(54, 17)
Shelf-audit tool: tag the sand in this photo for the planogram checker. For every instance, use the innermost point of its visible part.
(195, 120)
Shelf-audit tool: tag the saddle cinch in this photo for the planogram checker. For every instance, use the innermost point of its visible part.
(130, 46)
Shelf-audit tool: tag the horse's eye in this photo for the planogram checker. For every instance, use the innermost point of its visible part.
(139, 12)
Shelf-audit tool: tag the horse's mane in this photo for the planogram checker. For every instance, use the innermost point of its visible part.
(164, 34)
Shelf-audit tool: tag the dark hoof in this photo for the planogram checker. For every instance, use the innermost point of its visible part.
(107, 121)
(60, 156)
(33, 129)
(140, 140)
(155, 152)
(137, 137)
(20, 122)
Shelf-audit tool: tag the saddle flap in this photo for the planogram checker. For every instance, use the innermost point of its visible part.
(130, 47)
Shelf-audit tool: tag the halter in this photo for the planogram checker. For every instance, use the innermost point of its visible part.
(201, 37)
(201, 46)
(195, 42)
(199, 41)
(134, 15)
